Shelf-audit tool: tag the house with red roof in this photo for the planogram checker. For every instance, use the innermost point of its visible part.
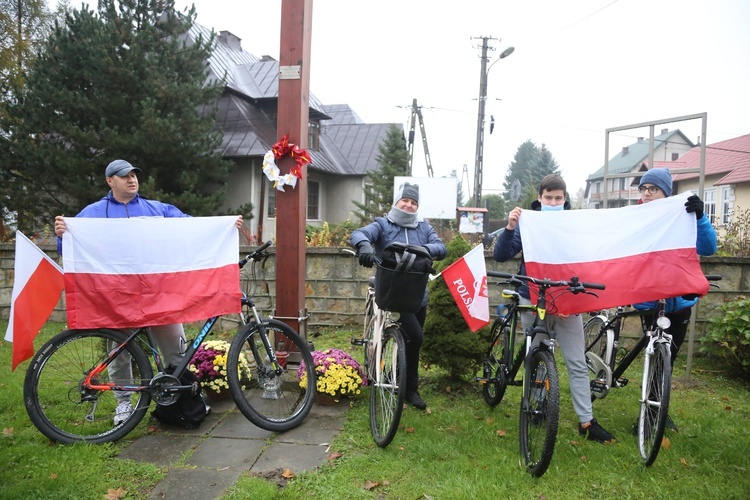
(726, 186)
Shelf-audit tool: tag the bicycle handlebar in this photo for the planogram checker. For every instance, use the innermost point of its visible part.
(257, 254)
(574, 284)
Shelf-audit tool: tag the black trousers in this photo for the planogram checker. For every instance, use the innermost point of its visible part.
(412, 324)
(680, 321)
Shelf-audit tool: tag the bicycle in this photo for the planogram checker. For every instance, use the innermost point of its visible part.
(540, 401)
(70, 398)
(607, 363)
(385, 347)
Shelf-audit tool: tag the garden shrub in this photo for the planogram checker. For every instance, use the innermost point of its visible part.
(448, 342)
(729, 336)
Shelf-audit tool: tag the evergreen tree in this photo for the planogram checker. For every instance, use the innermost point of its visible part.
(529, 166)
(448, 342)
(118, 82)
(393, 160)
(460, 196)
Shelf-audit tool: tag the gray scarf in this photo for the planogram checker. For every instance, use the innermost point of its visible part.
(403, 219)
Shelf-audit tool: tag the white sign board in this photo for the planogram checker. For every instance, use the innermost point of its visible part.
(437, 197)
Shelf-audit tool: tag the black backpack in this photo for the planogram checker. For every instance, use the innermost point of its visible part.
(189, 410)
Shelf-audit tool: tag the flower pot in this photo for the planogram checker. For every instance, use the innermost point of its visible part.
(326, 399)
(217, 396)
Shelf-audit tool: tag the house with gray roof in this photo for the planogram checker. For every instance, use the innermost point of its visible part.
(622, 190)
(342, 147)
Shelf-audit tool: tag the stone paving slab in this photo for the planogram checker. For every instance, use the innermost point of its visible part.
(188, 484)
(219, 453)
(227, 444)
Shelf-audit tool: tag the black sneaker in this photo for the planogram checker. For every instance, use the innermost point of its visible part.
(595, 432)
(416, 400)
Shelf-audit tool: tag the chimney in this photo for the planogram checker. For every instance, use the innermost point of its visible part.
(230, 40)
(624, 150)
(664, 131)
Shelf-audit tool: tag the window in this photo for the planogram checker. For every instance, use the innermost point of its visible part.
(271, 212)
(709, 204)
(597, 187)
(313, 136)
(675, 156)
(313, 200)
(727, 204)
(622, 184)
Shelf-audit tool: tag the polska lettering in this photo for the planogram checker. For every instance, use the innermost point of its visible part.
(463, 291)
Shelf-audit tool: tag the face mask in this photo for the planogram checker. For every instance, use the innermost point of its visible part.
(552, 208)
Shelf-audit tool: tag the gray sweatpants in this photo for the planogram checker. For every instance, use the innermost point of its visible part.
(571, 340)
(170, 340)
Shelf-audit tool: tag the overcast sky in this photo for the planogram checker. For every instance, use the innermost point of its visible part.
(579, 67)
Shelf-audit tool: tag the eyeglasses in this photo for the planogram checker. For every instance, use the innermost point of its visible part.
(650, 189)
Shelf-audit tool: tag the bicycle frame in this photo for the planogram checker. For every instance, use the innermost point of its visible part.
(376, 321)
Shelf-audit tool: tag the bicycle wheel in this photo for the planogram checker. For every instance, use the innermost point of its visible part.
(539, 418)
(496, 362)
(596, 338)
(653, 416)
(388, 388)
(58, 405)
(272, 401)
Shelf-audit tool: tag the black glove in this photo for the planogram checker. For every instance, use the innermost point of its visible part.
(366, 254)
(694, 204)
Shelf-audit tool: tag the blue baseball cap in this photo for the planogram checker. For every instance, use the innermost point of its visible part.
(120, 168)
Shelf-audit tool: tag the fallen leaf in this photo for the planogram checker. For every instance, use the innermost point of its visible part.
(447, 388)
(370, 485)
(113, 494)
(53, 475)
(727, 408)
(386, 482)
(584, 458)
(575, 443)
(683, 462)
(725, 398)
(500, 432)
(428, 411)
(666, 443)
(335, 455)
(287, 473)
(490, 420)
(7, 431)
(409, 430)
(401, 448)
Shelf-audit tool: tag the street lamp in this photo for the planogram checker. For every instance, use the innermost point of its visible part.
(480, 119)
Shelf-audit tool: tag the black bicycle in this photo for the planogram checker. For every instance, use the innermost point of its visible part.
(540, 401)
(70, 397)
(608, 360)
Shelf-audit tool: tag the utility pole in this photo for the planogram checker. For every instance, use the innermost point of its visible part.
(416, 112)
(479, 157)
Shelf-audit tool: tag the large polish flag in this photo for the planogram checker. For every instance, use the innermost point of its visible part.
(122, 273)
(37, 286)
(640, 252)
(467, 281)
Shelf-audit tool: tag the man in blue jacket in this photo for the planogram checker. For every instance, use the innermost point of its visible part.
(123, 201)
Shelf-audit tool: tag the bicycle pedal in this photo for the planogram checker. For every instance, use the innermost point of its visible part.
(621, 382)
(356, 341)
(481, 380)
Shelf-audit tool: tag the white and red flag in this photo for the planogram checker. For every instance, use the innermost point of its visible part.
(467, 281)
(122, 273)
(640, 252)
(37, 286)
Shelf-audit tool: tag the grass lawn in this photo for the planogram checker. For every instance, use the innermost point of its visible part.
(460, 448)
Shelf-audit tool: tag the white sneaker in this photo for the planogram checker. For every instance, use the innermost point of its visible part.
(123, 411)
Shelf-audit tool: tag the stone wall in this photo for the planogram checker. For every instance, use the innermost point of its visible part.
(336, 286)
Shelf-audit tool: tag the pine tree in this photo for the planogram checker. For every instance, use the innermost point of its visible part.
(118, 82)
(448, 342)
(393, 161)
(529, 166)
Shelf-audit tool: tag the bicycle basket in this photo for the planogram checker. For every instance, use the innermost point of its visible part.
(399, 291)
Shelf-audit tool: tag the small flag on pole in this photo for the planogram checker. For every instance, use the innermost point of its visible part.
(467, 281)
(37, 286)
